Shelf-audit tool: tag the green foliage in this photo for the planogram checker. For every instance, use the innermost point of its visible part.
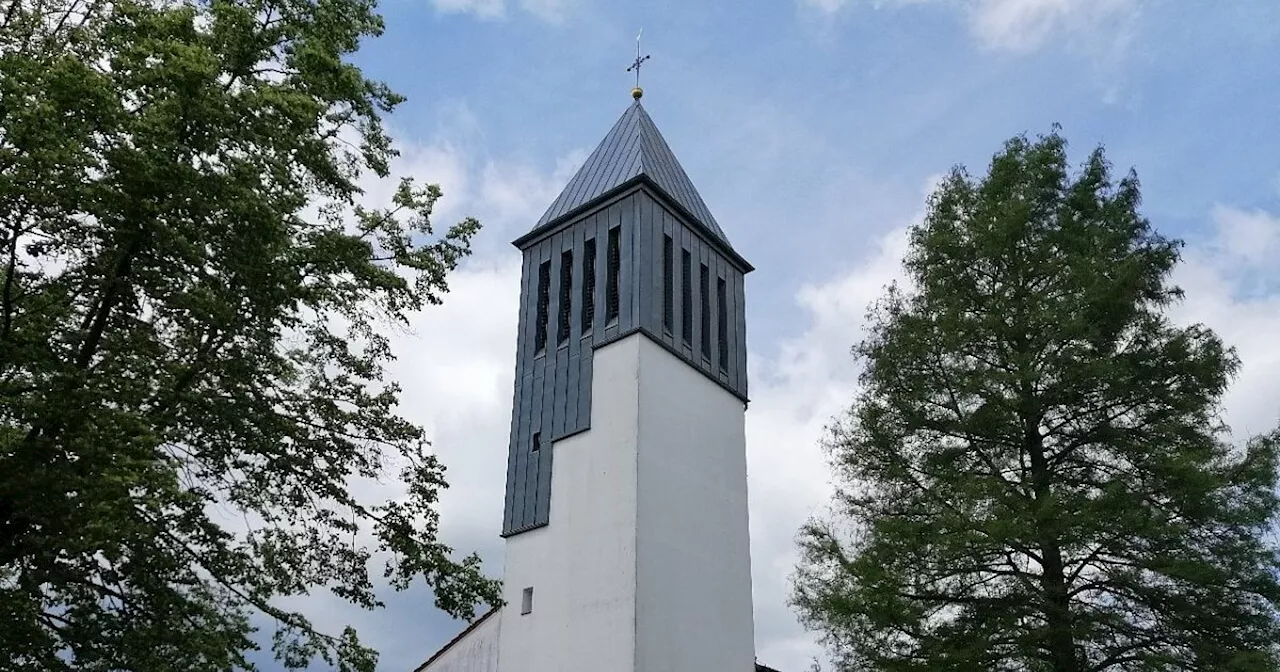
(192, 321)
(1033, 475)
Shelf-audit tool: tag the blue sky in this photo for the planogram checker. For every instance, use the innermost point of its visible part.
(813, 129)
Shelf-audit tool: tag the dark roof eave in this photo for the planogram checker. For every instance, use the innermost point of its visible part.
(654, 189)
(457, 638)
(553, 224)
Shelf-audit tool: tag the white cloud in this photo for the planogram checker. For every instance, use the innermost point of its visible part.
(1250, 236)
(812, 378)
(483, 9)
(795, 394)
(828, 6)
(1231, 286)
(1025, 25)
(550, 11)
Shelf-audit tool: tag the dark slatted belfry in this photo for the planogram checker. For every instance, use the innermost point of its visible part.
(633, 197)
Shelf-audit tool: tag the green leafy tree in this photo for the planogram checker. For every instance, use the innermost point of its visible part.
(193, 313)
(1034, 475)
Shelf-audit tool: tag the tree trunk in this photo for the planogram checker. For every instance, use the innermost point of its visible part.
(1059, 639)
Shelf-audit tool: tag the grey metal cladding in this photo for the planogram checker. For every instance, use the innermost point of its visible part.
(628, 309)
(646, 255)
(553, 388)
(561, 392)
(633, 148)
(741, 324)
(608, 156)
(655, 222)
(552, 395)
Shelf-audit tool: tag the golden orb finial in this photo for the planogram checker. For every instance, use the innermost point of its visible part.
(637, 93)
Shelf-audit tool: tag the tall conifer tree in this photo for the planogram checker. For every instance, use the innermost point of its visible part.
(1034, 475)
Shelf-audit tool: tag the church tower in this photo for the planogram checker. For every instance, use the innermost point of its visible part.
(625, 517)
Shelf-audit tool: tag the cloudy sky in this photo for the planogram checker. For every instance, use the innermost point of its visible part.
(813, 129)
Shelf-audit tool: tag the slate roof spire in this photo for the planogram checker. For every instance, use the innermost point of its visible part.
(633, 151)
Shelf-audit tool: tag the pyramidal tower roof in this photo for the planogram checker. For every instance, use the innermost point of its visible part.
(633, 150)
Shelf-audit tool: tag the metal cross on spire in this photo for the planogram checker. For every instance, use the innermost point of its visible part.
(637, 92)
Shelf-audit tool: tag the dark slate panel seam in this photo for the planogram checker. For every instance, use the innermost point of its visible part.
(575, 326)
(730, 326)
(656, 160)
(657, 167)
(694, 198)
(644, 152)
(542, 512)
(695, 226)
(518, 396)
(741, 326)
(561, 391)
(559, 206)
(626, 287)
(611, 148)
(602, 160)
(646, 253)
(615, 171)
(668, 230)
(601, 202)
(575, 191)
(584, 393)
(678, 182)
(633, 275)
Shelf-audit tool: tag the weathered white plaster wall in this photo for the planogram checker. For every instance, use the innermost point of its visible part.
(582, 564)
(475, 651)
(693, 570)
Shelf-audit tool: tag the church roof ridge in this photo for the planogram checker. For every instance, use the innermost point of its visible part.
(632, 150)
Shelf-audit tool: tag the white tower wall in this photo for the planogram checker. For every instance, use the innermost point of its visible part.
(693, 569)
(582, 565)
(645, 563)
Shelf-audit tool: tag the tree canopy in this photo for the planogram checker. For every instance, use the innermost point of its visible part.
(193, 321)
(1034, 474)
